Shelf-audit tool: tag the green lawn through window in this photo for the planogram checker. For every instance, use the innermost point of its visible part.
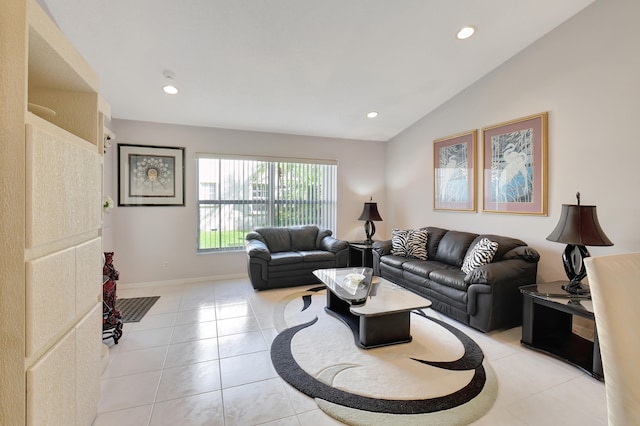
(222, 239)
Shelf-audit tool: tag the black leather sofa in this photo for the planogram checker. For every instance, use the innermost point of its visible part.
(487, 298)
(287, 256)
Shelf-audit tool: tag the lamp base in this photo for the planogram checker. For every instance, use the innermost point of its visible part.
(369, 230)
(576, 288)
(573, 261)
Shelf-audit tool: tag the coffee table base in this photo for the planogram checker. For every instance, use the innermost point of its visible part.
(371, 331)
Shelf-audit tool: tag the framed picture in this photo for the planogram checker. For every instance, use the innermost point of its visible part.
(454, 172)
(515, 166)
(150, 175)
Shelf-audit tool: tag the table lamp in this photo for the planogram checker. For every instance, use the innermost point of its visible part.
(578, 227)
(369, 215)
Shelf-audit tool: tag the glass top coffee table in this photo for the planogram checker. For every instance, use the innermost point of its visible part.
(377, 311)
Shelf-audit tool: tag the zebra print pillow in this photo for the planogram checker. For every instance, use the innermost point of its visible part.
(481, 254)
(409, 243)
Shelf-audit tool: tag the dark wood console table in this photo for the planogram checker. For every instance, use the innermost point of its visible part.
(547, 326)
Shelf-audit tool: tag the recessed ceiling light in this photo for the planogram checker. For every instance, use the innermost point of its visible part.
(169, 88)
(372, 114)
(465, 33)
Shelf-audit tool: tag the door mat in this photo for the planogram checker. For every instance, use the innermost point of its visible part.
(132, 310)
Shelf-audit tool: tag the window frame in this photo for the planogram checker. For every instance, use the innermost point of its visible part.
(274, 205)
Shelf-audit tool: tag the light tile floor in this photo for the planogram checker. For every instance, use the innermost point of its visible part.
(201, 357)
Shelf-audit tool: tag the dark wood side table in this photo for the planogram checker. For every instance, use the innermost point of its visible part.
(547, 326)
(360, 254)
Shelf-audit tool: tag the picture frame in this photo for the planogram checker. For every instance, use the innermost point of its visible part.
(150, 175)
(454, 172)
(515, 166)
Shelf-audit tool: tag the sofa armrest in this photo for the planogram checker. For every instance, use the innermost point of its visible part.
(494, 294)
(511, 272)
(382, 247)
(523, 252)
(258, 249)
(334, 245)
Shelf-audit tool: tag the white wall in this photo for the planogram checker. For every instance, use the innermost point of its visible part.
(586, 74)
(145, 237)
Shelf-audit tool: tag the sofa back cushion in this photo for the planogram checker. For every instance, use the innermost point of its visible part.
(434, 235)
(277, 239)
(300, 238)
(453, 247)
(303, 238)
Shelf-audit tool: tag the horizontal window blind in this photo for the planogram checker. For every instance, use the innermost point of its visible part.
(238, 194)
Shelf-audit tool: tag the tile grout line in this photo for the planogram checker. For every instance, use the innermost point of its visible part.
(166, 354)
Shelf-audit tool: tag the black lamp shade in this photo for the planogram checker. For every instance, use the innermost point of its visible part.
(578, 225)
(370, 212)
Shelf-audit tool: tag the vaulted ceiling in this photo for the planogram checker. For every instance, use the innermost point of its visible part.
(297, 66)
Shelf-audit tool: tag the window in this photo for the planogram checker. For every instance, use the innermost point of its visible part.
(238, 194)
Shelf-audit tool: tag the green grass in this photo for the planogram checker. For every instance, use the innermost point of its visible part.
(221, 239)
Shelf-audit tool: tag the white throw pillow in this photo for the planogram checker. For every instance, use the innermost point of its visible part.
(481, 254)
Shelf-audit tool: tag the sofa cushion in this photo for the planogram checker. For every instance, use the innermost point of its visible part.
(303, 237)
(453, 278)
(480, 254)
(285, 258)
(317, 256)
(423, 267)
(277, 239)
(409, 243)
(435, 235)
(394, 261)
(453, 247)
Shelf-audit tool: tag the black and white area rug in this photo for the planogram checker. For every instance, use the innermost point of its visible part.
(439, 378)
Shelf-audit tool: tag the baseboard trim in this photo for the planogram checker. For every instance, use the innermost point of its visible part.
(168, 283)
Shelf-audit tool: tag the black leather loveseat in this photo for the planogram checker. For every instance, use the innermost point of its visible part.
(486, 298)
(287, 256)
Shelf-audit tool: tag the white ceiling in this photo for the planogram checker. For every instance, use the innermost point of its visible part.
(297, 66)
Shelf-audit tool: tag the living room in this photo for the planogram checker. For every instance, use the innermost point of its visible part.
(582, 73)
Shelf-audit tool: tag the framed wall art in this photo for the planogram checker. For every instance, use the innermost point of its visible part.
(150, 175)
(454, 172)
(515, 166)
